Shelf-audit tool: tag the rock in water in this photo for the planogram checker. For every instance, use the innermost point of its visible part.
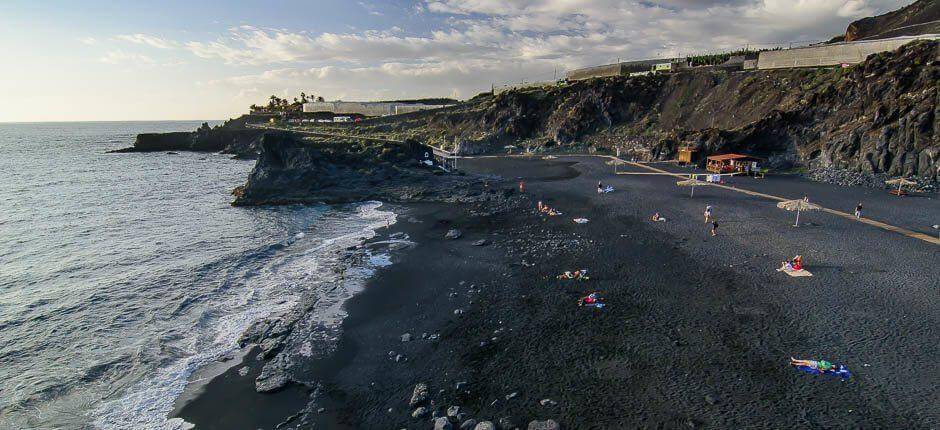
(485, 425)
(453, 411)
(442, 424)
(469, 424)
(506, 423)
(544, 425)
(453, 234)
(421, 412)
(419, 395)
(406, 337)
(481, 242)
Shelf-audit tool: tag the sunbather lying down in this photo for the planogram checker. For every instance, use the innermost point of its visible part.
(577, 274)
(657, 218)
(592, 300)
(821, 367)
(543, 208)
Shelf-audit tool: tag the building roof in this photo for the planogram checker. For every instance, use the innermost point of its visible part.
(723, 157)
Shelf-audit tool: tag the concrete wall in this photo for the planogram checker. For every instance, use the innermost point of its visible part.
(365, 108)
(831, 55)
(606, 70)
(403, 109)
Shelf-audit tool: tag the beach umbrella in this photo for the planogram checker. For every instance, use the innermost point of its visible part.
(798, 205)
(692, 183)
(900, 182)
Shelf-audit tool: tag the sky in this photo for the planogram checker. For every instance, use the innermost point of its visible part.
(96, 60)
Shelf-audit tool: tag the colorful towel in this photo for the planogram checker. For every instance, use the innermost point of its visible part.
(796, 273)
(838, 370)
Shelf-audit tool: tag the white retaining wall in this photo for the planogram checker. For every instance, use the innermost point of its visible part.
(832, 55)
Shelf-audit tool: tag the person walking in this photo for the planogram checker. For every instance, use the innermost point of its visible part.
(708, 213)
(521, 186)
(714, 228)
(858, 211)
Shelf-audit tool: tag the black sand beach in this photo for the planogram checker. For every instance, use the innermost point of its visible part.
(696, 333)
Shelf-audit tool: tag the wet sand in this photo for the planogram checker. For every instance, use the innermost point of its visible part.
(697, 331)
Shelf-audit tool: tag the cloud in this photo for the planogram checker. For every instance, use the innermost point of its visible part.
(122, 57)
(474, 43)
(152, 41)
(88, 40)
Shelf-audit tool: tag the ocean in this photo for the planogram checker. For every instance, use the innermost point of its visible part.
(122, 274)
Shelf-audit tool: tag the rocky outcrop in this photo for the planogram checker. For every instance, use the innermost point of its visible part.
(232, 137)
(920, 17)
(291, 169)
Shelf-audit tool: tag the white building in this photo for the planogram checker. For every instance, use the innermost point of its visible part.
(366, 108)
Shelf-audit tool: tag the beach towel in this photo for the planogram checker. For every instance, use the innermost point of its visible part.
(598, 305)
(796, 273)
(605, 190)
(838, 370)
(581, 220)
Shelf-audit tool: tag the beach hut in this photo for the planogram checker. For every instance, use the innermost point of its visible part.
(900, 182)
(687, 155)
(733, 163)
(798, 205)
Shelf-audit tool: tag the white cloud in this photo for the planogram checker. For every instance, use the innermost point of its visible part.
(478, 42)
(88, 40)
(152, 41)
(122, 57)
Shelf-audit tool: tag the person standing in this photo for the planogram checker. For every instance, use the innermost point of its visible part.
(714, 228)
(521, 186)
(708, 213)
(858, 211)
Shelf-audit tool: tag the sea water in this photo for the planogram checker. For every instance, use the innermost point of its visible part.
(122, 274)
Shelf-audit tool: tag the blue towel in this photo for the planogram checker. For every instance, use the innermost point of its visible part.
(840, 371)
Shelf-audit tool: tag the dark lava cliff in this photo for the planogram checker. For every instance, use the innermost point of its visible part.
(880, 116)
(293, 169)
(232, 137)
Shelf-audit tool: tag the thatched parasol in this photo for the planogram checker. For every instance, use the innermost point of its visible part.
(692, 183)
(900, 182)
(798, 205)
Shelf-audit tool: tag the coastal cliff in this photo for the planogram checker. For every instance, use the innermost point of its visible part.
(878, 117)
(292, 169)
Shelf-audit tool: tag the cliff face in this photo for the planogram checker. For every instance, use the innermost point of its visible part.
(877, 117)
(291, 169)
(920, 17)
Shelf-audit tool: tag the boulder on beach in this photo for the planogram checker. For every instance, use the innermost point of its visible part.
(420, 412)
(442, 424)
(419, 395)
(507, 423)
(406, 337)
(470, 424)
(484, 425)
(453, 411)
(544, 425)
